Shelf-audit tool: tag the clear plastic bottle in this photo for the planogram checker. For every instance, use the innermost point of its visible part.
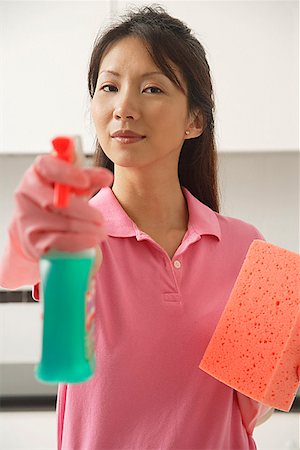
(67, 298)
(68, 317)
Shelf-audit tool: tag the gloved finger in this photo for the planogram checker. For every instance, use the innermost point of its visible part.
(33, 221)
(98, 177)
(42, 196)
(69, 242)
(86, 193)
(63, 224)
(34, 188)
(80, 210)
(55, 170)
(59, 171)
(41, 189)
(77, 217)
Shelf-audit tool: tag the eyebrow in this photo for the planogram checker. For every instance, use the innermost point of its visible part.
(144, 75)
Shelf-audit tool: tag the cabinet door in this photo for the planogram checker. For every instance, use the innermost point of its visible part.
(45, 51)
(252, 49)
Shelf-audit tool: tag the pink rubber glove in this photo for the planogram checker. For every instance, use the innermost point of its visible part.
(38, 226)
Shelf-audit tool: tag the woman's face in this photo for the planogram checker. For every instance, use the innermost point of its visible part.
(137, 99)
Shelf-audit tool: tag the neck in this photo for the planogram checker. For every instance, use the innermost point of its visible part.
(154, 203)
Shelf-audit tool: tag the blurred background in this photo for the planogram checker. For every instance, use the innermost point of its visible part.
(253, 51)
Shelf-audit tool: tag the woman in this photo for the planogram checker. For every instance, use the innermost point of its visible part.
(168, 260)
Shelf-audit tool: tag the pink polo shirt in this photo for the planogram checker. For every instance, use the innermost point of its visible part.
(154, 319)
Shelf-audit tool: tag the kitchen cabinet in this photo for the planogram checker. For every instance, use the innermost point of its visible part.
(252, 49)
(38, 429)
(21, 329)
(45, 48)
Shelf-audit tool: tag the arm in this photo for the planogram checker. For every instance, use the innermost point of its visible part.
(265, 417)
(36, 226)
(16, 268)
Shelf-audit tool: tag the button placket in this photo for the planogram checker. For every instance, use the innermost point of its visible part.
(172, 269)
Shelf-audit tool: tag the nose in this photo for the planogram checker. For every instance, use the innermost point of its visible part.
(126, 107)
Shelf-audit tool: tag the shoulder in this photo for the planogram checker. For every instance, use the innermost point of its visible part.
(232, 227)
(236, 237)
(206, 221)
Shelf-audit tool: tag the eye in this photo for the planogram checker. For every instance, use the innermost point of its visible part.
(154, 88)
(103, 88)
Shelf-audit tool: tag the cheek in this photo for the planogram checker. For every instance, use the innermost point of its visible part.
(171, 116)
(99, 114)
(94, 111)
(172, 127)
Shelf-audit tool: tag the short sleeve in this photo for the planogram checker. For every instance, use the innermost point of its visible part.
(258, 234)
(251, 411)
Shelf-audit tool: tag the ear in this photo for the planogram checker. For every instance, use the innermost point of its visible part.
(196, 125)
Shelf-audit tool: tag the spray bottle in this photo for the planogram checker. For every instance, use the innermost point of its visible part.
(67, 298)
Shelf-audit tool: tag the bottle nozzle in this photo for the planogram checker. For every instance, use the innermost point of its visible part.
(63, 149)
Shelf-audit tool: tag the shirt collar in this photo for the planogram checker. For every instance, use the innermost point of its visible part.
(202, 219)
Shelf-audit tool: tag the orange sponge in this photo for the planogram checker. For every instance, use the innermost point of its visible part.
(255, 348)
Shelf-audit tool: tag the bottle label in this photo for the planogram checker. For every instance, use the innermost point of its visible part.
(90, 313)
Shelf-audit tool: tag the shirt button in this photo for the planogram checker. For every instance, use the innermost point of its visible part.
(177, 264)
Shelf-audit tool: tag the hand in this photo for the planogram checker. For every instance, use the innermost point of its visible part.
(38, 226)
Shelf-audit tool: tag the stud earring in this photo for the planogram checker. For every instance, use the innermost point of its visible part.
(187, 132)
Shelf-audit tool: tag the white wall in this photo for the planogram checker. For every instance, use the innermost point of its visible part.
(252, 48)
(45, 47)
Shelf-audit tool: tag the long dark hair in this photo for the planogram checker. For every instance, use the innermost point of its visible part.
(167, 38)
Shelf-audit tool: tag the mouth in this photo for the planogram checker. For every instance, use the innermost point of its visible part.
(126, 136)
(128, 139)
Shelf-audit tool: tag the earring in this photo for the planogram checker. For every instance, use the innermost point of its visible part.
(187, 132)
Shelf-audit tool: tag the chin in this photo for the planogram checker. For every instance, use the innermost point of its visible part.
(125, 159)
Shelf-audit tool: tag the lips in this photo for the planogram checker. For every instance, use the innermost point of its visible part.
(126, 134)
